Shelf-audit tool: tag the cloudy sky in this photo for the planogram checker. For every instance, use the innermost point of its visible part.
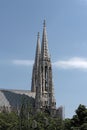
(66, 22)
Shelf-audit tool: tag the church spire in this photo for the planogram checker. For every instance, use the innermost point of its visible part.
(44, 49)
(36, 65)
(38, 50)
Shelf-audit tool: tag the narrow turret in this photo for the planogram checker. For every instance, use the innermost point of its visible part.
(38, 50)
(36, 65)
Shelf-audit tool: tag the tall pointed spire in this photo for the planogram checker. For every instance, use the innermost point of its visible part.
(36, 65)
(44, 49)
(38, 50)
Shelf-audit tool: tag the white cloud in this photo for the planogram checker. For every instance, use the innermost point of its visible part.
(23, 62)
(72, 63)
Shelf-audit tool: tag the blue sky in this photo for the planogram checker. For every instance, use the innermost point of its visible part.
(66, 22)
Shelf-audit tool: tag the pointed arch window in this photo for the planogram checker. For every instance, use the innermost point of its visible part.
(46, 78)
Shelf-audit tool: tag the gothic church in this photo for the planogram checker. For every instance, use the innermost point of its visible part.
(42, 89)
(42, 83)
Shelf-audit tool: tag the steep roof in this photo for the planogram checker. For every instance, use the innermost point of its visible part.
(13, 98)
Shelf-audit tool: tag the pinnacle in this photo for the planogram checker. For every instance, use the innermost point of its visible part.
(44, 49)
(38, 35)
(44, 23)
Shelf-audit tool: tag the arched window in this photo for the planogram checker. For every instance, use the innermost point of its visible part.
(46, 78)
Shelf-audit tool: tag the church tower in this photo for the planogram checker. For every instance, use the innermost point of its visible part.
(44, 85)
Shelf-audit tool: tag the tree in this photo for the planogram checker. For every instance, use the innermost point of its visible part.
(82, 114)
(8, 121)
(67, 124)
(79, 121)
(83, 126)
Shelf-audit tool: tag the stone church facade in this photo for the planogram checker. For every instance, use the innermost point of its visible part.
(42, 89)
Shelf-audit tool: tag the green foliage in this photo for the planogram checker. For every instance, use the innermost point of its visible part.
(82, 114)
(83, 126)
(67, 124)
(25, 120)
(43, 121)
(79, 120)
(8, 121)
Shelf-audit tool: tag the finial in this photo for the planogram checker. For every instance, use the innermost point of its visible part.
(44, 23)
